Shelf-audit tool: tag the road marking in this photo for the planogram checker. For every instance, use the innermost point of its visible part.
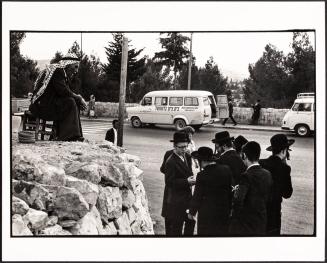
(95, 127)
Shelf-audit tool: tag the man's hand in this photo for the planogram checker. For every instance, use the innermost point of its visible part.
(190, 217)
(191, 180)
(81, 102)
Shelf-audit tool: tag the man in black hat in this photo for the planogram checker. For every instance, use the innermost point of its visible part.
(228, 156)
(238, 143)
(54, 100)
(282, 183)
(249, 215)
(178, 181)
(212, 195)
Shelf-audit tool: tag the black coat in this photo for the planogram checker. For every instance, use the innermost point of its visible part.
(57, 103)
(163, 170)
(110, 135)
(282, 188)
(178, 191)
(233, 160)
(212, 200)
(249, 216)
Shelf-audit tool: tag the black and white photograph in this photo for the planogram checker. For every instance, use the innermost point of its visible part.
(143, 130)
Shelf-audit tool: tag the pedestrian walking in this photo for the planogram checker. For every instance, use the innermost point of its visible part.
(212, 195)
(53, 99)
(249, 214)
(178, 181)
(92, 107)
(230, 112)
(238, 143)
(111, 134)
(256, 113)
(281, 176)
(228, 156)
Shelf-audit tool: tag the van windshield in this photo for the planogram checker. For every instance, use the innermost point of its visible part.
(206, 101)
(301, 107)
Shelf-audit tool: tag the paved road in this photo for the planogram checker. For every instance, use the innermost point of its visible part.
(150, 144)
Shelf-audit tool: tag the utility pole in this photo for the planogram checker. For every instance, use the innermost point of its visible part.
(81, 46)
(122, 92)
(190, 65)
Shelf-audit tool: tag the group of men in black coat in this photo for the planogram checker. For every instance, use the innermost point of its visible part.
(235, 193)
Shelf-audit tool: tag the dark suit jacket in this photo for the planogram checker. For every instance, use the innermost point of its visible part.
(212, 199)
(282, 188)
(178, 192)
(110, 135)
(250, 202)
(235, 163)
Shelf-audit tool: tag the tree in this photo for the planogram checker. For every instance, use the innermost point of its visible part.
(268, 79)
(211, 79)
(175, 52)
(57, 57)
(23, 71)
(154, 78)
(300, 64)
(135, 67)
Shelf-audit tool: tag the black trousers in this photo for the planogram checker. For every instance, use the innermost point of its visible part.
(231, 117)
(174, 227)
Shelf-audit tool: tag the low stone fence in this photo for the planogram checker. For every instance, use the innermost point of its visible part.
(77, 188)
(268, 116)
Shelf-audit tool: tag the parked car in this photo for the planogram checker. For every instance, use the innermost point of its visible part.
(301, 117)
(177, 107)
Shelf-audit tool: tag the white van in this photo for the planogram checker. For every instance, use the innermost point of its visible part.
(177, 107)
(300, 118)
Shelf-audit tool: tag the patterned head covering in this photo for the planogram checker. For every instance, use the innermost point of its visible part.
(45, 75)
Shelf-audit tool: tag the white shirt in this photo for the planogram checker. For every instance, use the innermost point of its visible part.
(115, 136)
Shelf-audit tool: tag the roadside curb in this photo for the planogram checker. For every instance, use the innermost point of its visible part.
(214, 125)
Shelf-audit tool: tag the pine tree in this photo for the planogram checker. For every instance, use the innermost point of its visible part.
(135, 67)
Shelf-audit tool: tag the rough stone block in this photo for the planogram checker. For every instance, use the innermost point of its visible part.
(37, 219)
(19, 206)
(109, 203)
(19, 226)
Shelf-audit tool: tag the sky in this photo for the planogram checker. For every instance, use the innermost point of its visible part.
(232, 52)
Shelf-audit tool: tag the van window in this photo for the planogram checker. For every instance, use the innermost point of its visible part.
(191, 101)
(147, 101)
(161, 101)
(206, 101)
(176, 101)
(302, 107)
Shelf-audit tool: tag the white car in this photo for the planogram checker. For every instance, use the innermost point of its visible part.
(301, 117)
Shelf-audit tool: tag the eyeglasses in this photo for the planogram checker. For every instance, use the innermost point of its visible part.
(181, 147)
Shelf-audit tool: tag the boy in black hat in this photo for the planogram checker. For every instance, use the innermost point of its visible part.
(249, 216)
(281, 176)
(238, 143)
(178, 181)
(228, 156)
(212, 195)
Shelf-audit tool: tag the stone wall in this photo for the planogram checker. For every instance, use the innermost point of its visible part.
(242, 115)
(77, 188)
(268, 116)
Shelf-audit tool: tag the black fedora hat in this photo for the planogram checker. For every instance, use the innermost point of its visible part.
(222, 137)
(180, 137)
(239, 142)
(204, 154)
(279, 141)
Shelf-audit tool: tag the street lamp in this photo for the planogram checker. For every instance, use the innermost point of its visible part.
(190, 65)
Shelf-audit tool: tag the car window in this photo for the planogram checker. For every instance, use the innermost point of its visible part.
(147, 101)
(176, 101)
(161, 101)
(191, 101)
(206, 101)
(302, 107)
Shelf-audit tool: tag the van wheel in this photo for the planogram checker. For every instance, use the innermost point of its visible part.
(179, 124)
(197, 127)
(136, 122)
(302, 130)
